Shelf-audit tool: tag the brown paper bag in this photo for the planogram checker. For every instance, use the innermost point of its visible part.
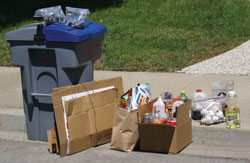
(125, 132)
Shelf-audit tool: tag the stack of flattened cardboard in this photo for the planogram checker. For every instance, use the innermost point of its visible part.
(84, 120)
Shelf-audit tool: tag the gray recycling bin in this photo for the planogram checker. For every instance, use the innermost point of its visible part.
(52, 56)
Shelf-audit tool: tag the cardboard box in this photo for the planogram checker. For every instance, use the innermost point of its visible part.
(88, 119)
(162, 137)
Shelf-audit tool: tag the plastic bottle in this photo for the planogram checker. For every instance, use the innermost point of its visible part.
(157, 116)
(176, 104)
(183, 96)
(171, 119)
(232, 111)
(159, 106)
(165, 118)
(198, 106)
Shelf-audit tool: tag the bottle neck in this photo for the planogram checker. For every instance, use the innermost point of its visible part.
(232, 101)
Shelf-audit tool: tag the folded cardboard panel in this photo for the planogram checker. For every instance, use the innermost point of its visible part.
(184, 135)
(90, 118)
(162, 137)
(156, 137)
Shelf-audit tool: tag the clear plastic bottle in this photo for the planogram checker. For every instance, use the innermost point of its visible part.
(159, 106)
(198, 106)
(157, 117)
(165, 118)
(183, 96)
(232, 111)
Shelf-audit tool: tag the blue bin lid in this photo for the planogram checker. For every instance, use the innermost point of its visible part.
(58, 32)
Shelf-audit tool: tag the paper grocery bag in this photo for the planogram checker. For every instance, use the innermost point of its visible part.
(125, 132)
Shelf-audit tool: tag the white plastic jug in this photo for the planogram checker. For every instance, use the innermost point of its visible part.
(160, 106)
(198, 95)
(176, 104)
(198, 103)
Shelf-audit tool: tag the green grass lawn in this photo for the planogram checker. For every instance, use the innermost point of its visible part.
(165, 35)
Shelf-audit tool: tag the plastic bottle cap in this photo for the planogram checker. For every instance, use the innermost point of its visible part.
(231, 93)
(182, 91)
(172, 123)
(198, 90)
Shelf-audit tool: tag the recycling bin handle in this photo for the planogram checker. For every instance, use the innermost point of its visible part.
(41, 94)
(28, 88)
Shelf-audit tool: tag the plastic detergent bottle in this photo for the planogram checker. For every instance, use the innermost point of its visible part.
(232, 111)
(159, 106)
(183, 96)
(176, 104)
(198, 105)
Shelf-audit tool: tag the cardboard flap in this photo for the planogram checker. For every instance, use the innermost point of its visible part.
(183, 113)
(156, 137)
(59, 117)
(184, 134)
(79, 126)
(57, 93)
(116, 82)
(104, 116)
(85, 103)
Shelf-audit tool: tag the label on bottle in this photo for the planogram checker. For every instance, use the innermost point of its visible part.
(233, 118)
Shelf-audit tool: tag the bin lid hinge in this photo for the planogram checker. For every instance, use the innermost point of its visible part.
(39, 36)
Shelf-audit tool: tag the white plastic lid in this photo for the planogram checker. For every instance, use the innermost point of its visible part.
(231, 93)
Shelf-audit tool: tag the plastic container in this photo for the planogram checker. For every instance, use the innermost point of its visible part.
(183, 96)
(157, 116)
(232, 111)
(176, 104)
(52, 56)
(165, 118)
(171, 118)
(166, 98)
(159, 106)
(197, 104)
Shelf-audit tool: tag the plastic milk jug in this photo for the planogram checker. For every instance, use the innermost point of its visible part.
(198, 106)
